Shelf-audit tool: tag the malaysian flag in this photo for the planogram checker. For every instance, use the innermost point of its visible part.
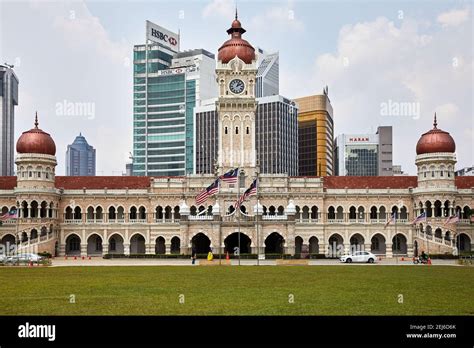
(250, 191)
(421, 217)
(231, 176)
(12, 214)
(452, 220)
(393, 218)
(212, 189)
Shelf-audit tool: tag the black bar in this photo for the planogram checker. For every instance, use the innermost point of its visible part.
(239, 330)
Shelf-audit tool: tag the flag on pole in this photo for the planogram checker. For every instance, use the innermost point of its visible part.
(421, 217)
(250, 191)
(452, 220)
(212, 189)
(231, 176)
(12, 214)
(392, 218)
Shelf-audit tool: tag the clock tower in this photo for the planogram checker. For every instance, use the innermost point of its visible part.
(236, 73)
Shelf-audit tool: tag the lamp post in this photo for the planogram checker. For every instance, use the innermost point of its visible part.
(241, 177)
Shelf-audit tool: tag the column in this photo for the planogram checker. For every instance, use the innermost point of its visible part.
(126, 248)
(149, 249)
(83, 249)
(367, 246)
(409, 250)
(388, 248)
(168, 247)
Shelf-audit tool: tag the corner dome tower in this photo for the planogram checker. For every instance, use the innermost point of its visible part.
(36, 141)
(236, 46)
(436, 140)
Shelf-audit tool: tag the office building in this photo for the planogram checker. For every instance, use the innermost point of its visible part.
(467, 171)
(276, 123)
(364, 154)
(8, 101)
(166, 89)
(267, 81)
(315, 135)
(80, 158)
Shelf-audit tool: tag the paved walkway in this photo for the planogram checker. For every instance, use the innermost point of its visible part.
(96, 261)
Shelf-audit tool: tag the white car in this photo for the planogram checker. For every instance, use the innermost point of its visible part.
(359, 256)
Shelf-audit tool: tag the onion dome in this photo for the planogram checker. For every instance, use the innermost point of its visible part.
(436, 140)
(36, 141)
(236, 46)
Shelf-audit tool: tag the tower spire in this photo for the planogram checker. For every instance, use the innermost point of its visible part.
(435, 123)
(36, 120)
(236, 15)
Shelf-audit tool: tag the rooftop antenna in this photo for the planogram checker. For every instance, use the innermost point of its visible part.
(36, 120)
(435, 123)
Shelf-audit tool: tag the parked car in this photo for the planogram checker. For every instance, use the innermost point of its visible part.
(3, 258)
(359, 256)
(23, 258)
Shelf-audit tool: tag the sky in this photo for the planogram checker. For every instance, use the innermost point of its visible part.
(384, 62)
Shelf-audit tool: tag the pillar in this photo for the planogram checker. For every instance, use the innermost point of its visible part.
(149, 248)
(126, 248)
(83, 249)
(168, 246)
(388, 248)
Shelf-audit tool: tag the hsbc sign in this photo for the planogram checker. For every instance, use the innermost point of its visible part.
(162, 36)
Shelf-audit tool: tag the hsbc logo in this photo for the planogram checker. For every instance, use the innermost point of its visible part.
(163, 37)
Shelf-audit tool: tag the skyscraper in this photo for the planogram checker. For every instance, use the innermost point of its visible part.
(267, 82)
(276, 124)
(166, 89)
(8, 101)
(80, 158)
(365, 154)
(315, 135)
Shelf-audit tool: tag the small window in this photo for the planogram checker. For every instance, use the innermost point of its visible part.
(432, 174)
(236, 130)
(31, 174)
(424, 174)
(449, 174)
(47, 176)
(248, 130)
(39, 174)
(225, 130)
(441, 173)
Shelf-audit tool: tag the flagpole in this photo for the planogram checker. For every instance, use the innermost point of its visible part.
(256, 217)
(216, 172)
(396, 235)
(238, 206)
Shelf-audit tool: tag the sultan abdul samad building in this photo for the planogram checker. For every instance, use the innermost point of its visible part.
(132, 215)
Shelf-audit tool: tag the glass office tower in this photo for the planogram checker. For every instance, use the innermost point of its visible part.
(167, 86)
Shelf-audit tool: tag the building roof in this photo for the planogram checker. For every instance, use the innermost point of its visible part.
(143, 182)
(371, 182)
(7, 182)
(101, 182)
(464, 182)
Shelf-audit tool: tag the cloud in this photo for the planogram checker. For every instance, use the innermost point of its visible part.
(454, 17)
(71, 60)
(219, 8)
(407, 63)
(283, 17)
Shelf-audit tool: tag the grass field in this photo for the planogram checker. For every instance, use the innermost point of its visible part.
(246, 290)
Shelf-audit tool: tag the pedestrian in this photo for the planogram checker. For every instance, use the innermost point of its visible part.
(193, 256)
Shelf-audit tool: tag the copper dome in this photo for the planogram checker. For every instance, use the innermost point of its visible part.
(236, 46)
(36, 141)
(436, 140)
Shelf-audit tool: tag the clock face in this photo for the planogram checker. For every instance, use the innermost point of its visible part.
(236, 86)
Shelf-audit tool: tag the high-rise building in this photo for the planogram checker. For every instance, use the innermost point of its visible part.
(164, 97)
(315, 135)
(80, 158)
(276, 123)
(385, 151)
(267, 82)
(361, 154)
(467, 171)
(8, 101)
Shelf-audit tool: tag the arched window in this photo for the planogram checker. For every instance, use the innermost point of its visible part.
(225, 130)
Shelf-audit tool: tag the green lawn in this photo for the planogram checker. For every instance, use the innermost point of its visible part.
(246, 290)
